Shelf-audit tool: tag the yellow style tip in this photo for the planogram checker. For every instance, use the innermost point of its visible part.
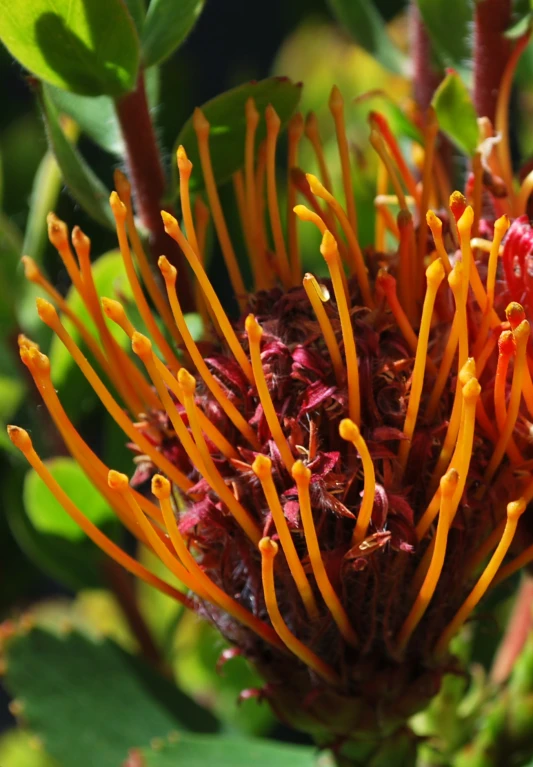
(117, 481)
(315, 185)
(502, 224)
(141, 345)
(31, 270)
(449, 482)
(161, 487)
(336, 101)
(46, 312)
(262, 466)
(169, 222)
(168, 271)
(253, 329)
(112, 309)
(20, 438)
(471, 390)
(200, 122)
(328, 246)
(521, 332)
(435, 272)
(348, 430)
(300, 472)
(468, 371)
(466, 220)
(515, 314)
(117, 206)
(57, 231)
(433, 221)
(515, 509)
(268, 547)
(184, 164)
(187, 382)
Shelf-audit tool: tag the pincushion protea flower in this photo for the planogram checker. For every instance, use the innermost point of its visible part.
(338, 475)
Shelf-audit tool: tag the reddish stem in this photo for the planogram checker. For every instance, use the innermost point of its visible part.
(426, 77)
(491, 52)
(516, 633)
(148, 179)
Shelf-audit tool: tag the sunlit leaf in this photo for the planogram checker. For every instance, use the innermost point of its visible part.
(166, 27)
(451, 41)
(456, 113)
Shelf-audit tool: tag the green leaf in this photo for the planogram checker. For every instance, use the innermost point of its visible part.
(226, 115)
(521, 27)
(456, 113)
(137, 11)
(17, 750)
(90, 48)
(166, 27)
(368, 28)
(44, 194)
(46, 513)
(199, 751)
(451, 41)
(84, 185)
(90, 701)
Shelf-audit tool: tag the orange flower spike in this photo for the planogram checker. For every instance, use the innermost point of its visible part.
(357, 264)
(119, 213)
(162, 489)
(435, 225)
(49, 316)
(169, 273)
(302, 476)
(185, 170)
(448, 485)
(255, 333)
(350, 432)
(202, 128)
(434, 274)
(58, 236)
(173, 230)
(21, 439)
(514, 511)
(330, 253)
(212, 475)
(273, 124)
(336, 107)
(262, 468)
(379, 146)
(295, 131)
(379, 122)
(477, 169)
(269, 549)
(521, 336)
(313, 134)
(318, 295)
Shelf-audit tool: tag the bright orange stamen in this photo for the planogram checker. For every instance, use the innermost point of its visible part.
(169, 273)
(377, 142)
(201, 218)
(269, 549)
(201, 127)
(49, 315)
(22, 441)
(435, 225)
(406, 264)
(273, 124)
(255, 333)
(435, 275)
(294, 132)
(161, 488)
(58, 236)
(350, 432)
(318, 295)
(313, 134)
(213, 476)
(448, 486)
(444, 370)
(262, 468)
(506, 349)
(330, 252)
(471, 274)
(357, 263)
(477, 168)
(380, 123)
(526, 188)
(172, 229)
(119, 212)
(336, 107)
(521, 336)
(514, 510)
(302, 477)
(383, 214)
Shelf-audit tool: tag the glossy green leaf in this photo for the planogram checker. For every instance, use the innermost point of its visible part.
(96, 116)
(456, 113)
(84, 185)
(90, 702)
(46, 513)
(137, 9)
(85, 47)
(451, 41)
(364, 22)
(167, 25)
(201, 750)
(17, 750)
(225, 114)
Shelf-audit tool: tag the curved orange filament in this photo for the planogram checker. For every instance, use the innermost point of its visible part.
(379, 122)
(506, 347)
(282, 260)
(444, 369)
(477, 169)
(387, 283)
(213, 476)
(126, 378)
(173, 230)
(524, 558)
(58, 236)
(521, 336)
(406, 267)
(201, 127)
(48, 314)
(378, 144)
(262, 468)
(302, 477)
(295, 130)
(119, 212)
(161, 488)
(470, 273)
(336, 107)
(169, 273)
(116, 313)
(357, 264)
(318, 295)
(330, 252)
(514, 510)
(22, 441)
(350, 432)
(201, 218)
(313, 134)
(255, 333)
(448, 486)
(123, 188)
(435, 225)
(269, 549)
(383, 214)
(435, 275)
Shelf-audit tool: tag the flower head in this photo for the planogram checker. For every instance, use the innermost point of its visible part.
(337, 475)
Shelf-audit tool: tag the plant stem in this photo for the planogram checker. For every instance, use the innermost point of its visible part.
(426, 76)
(516, 633)
(148, 179)
(491, 52)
